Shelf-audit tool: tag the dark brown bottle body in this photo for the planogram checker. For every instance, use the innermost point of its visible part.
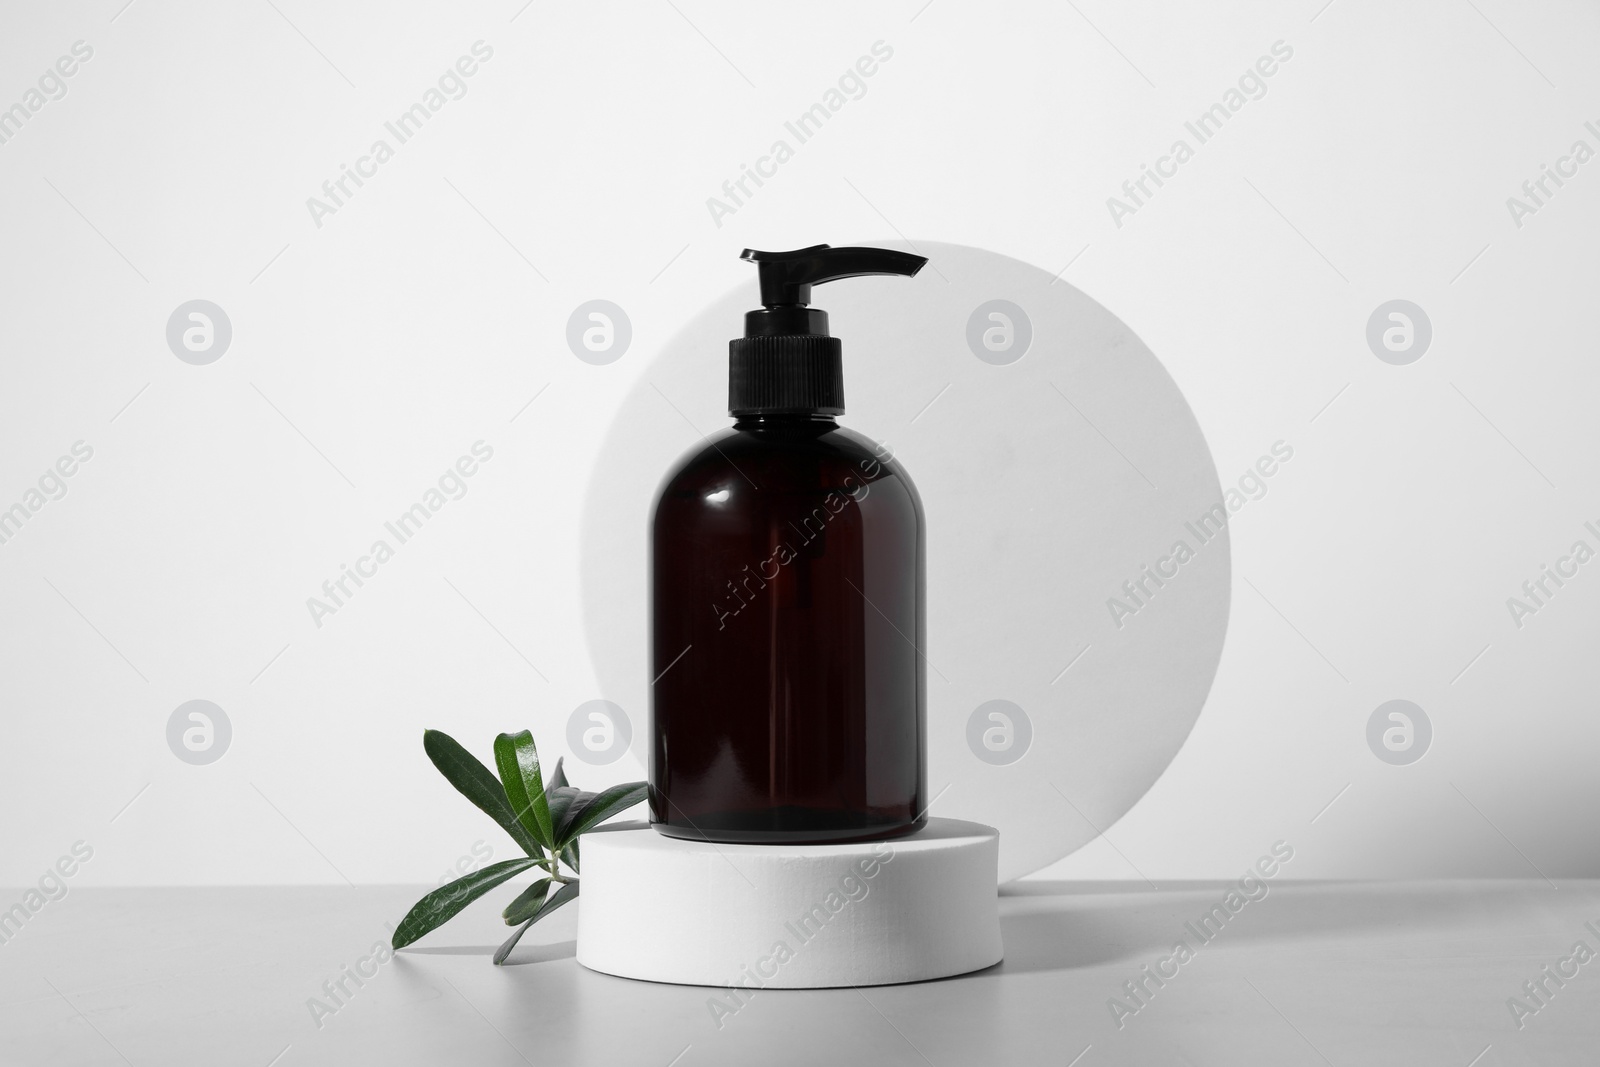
(787, 611)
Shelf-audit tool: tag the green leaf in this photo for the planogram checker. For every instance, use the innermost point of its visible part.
(473, 780)
(527, 904)
(580, 799)
(585, 814)
(568, 891)
(518, 762)
(441, 905)
(558, 780)
(563, 797)
(510, 943)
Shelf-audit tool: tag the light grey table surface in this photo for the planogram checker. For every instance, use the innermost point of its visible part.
(1314, 973)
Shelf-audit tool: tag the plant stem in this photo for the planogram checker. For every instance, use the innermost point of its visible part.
(553, 865)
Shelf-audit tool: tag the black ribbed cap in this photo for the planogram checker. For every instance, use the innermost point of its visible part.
(785, 373)
(786, 363)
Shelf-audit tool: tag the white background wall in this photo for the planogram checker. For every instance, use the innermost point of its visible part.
(370, 352)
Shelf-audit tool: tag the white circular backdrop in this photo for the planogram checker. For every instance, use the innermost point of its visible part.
(1049, 481)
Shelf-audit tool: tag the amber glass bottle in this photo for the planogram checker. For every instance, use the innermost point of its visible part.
(787, 598)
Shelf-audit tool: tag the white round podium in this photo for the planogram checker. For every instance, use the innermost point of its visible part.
(790, 916)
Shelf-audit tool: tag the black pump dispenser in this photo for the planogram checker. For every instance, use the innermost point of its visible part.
(786, 362)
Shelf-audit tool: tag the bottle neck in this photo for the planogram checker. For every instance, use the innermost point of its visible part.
(787, 421)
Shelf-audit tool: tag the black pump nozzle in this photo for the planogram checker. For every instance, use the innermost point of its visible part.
(786, 362)
(787, 277)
